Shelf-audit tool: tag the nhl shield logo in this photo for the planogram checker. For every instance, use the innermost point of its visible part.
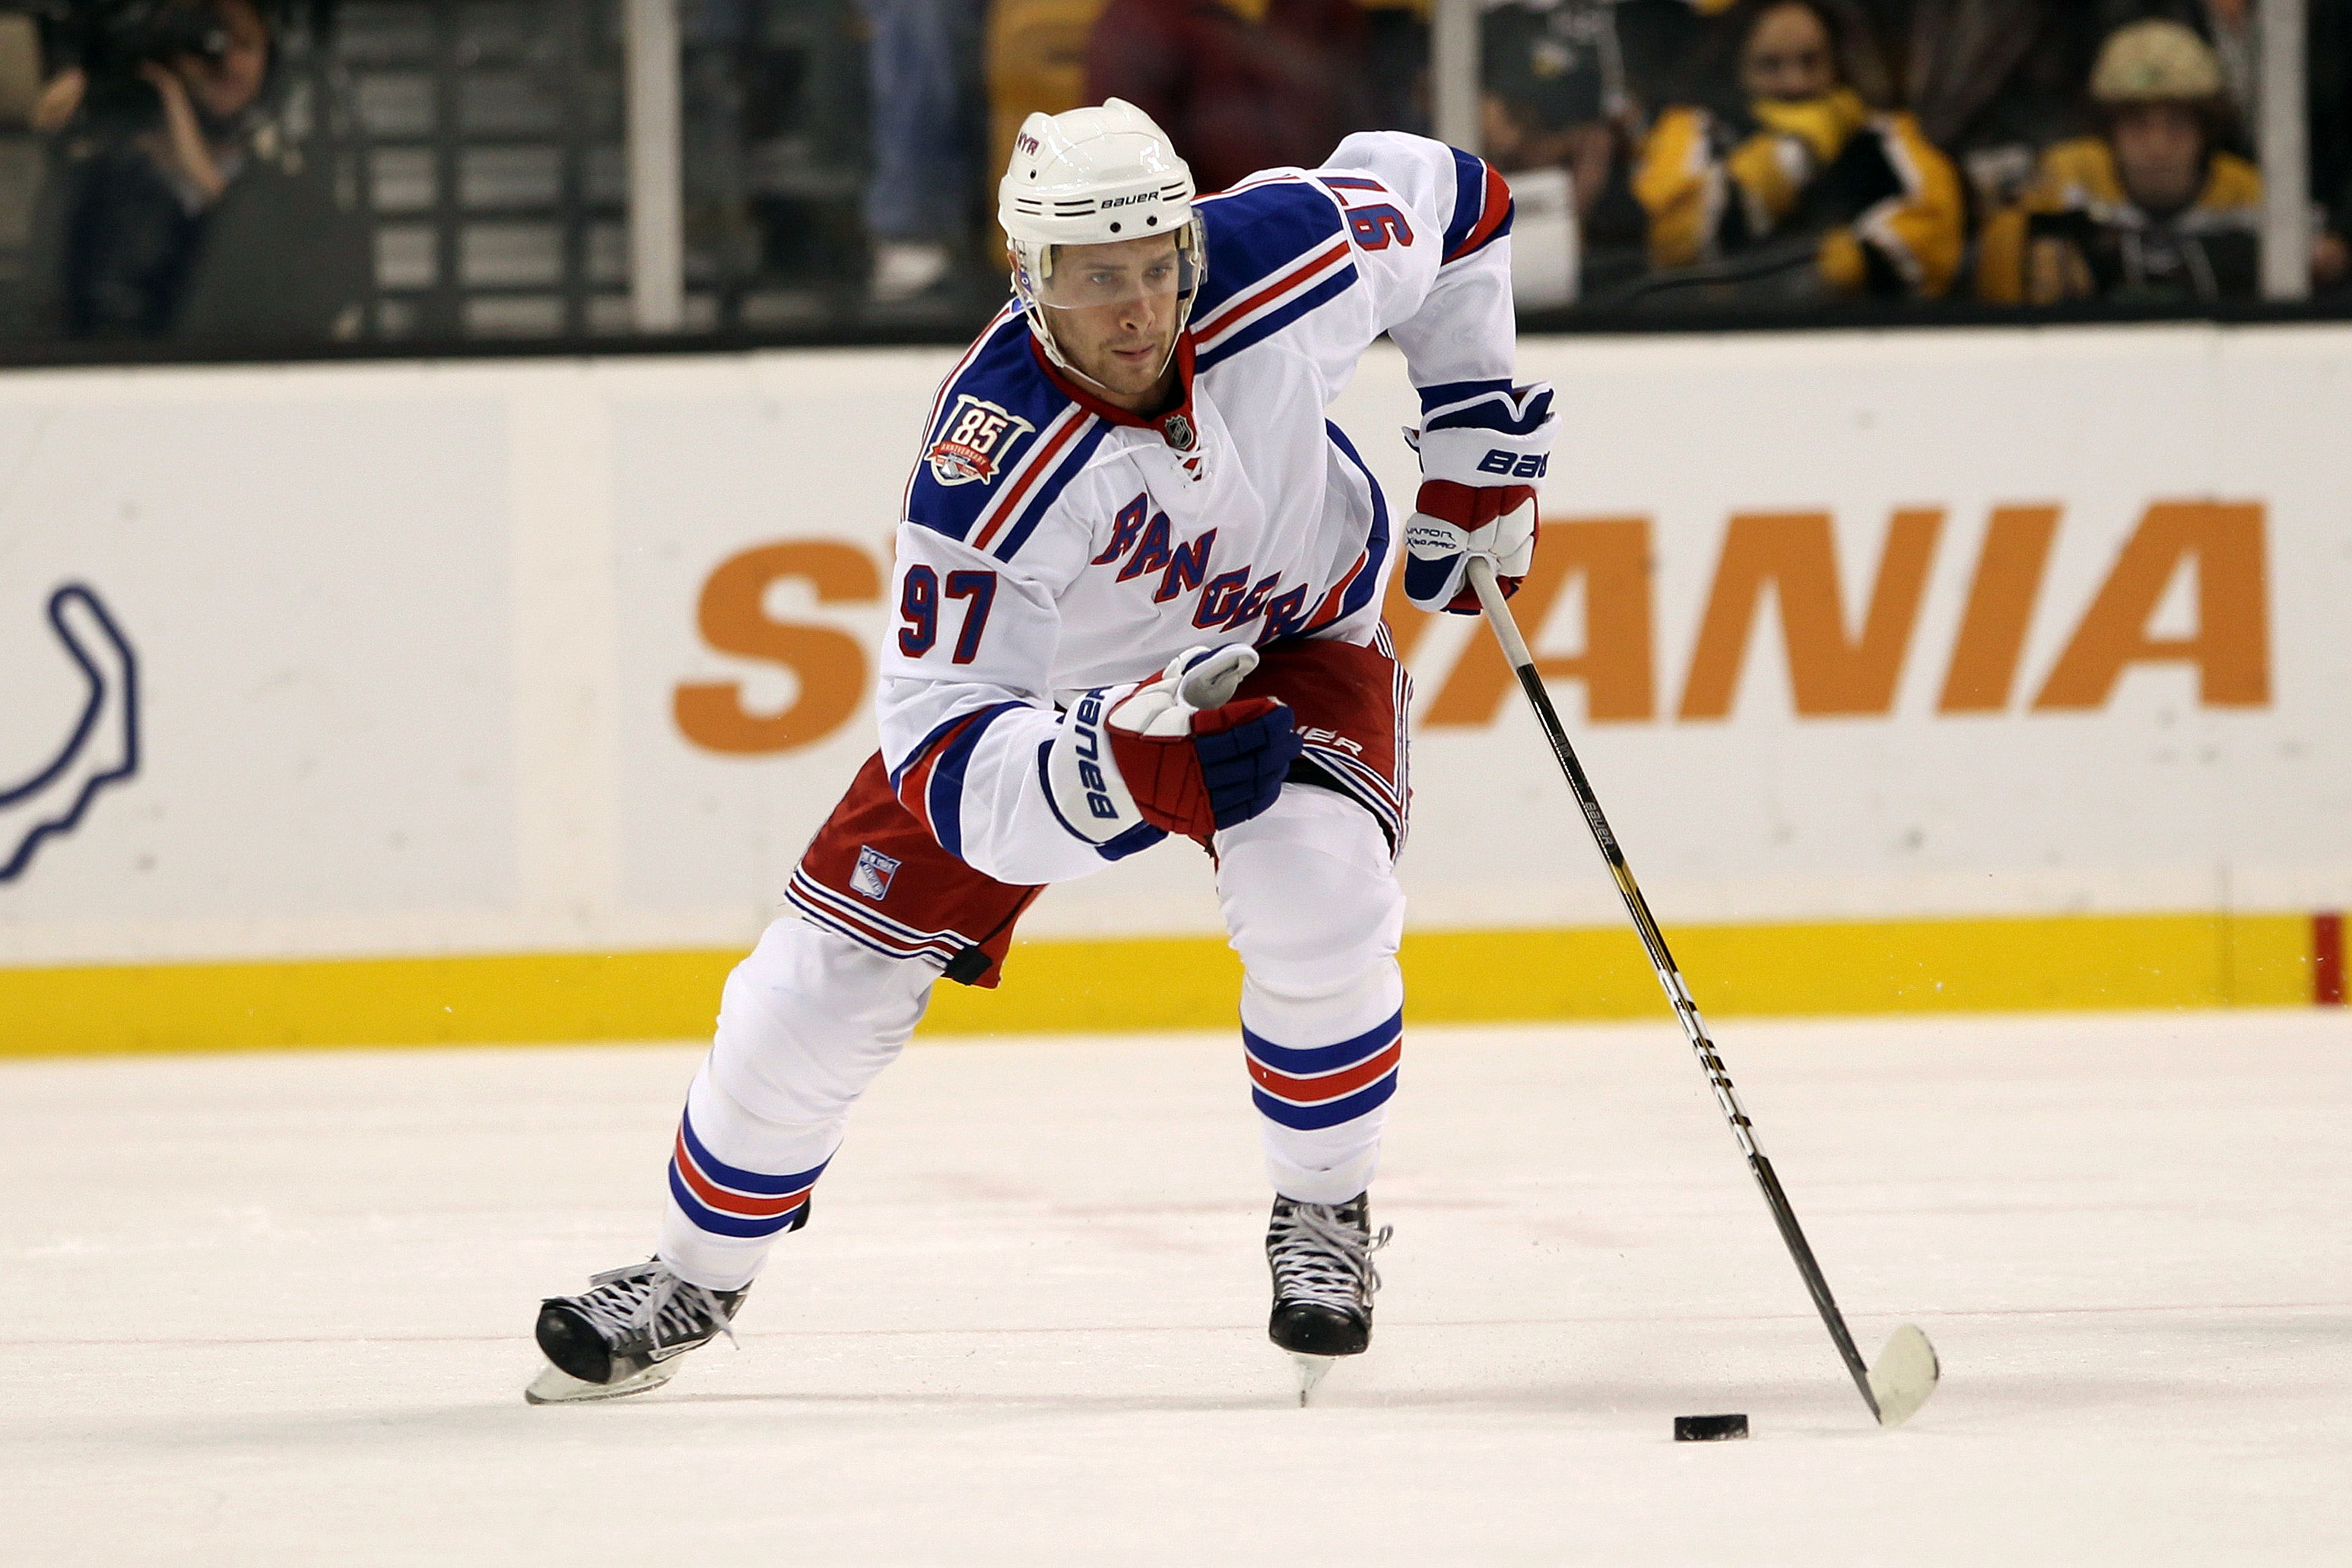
(873, 875)
(976, 440)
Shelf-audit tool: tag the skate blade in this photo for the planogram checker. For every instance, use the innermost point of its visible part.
(1906, 1373)
(1309, 1370)
(553, 1385)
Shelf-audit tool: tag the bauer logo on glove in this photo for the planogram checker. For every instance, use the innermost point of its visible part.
(1183, 755)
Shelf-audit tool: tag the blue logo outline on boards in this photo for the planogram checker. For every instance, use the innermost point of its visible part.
(28, 794)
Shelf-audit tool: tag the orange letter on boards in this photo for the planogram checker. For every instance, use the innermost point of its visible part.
(1612, 555)
(2230, 647)
(2000, 609)
(831, 664)
(1796, 554)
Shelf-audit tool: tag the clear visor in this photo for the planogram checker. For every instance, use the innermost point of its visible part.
(1099, 277)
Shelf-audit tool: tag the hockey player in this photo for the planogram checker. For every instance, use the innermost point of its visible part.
(1138, 595)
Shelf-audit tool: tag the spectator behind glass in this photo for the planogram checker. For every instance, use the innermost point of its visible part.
(2234, 29)
(2149, 209)
(1239, 85)
(923, 63)
(1556, 98)
(1799, 169)
(189, 212)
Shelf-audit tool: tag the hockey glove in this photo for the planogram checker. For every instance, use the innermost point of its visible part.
(1184, 757)
(1194, 759)
(1452, 524)
(1479, 459)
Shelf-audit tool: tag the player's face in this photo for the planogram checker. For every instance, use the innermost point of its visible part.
(1113, 310)
(1787, 56)
(2159, 155)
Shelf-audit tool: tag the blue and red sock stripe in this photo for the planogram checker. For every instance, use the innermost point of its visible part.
(728, 1201)
(1322, 1086)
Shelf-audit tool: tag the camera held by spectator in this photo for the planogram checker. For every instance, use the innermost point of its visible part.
(1836, 198)
(123, 48)
(2151, 207)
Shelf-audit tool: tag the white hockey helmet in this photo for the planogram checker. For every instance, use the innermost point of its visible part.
(1094, 176)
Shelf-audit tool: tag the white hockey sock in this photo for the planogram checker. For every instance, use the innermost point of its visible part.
(736, 1182)
(1312, 901)
(805, 1024)
(1324, 1107)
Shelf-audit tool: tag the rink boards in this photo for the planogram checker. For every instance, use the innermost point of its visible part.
(368, 703)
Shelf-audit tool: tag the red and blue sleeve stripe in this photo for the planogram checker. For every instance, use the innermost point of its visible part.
(930, 783)
(1256, 232)
(1482, 207)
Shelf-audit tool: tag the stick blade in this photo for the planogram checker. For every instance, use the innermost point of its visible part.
(1906, 1373)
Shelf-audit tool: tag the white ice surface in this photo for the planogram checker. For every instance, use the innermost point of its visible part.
(273, 1308)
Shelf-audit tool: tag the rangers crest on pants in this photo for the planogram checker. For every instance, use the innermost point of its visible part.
(872, 876)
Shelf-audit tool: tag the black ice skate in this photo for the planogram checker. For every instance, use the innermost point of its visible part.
(1321, 1256)
(625, 1335)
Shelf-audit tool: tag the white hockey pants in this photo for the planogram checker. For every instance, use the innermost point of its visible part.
(1311, 901)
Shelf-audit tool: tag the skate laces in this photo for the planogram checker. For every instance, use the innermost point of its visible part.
(649, 1298)
(1320, 1256)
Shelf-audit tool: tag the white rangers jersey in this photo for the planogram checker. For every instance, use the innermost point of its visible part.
(1053, 543)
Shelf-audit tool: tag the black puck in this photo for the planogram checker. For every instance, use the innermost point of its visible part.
(1709, 1428)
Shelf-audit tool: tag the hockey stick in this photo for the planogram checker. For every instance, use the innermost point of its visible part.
(1907, 1370)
